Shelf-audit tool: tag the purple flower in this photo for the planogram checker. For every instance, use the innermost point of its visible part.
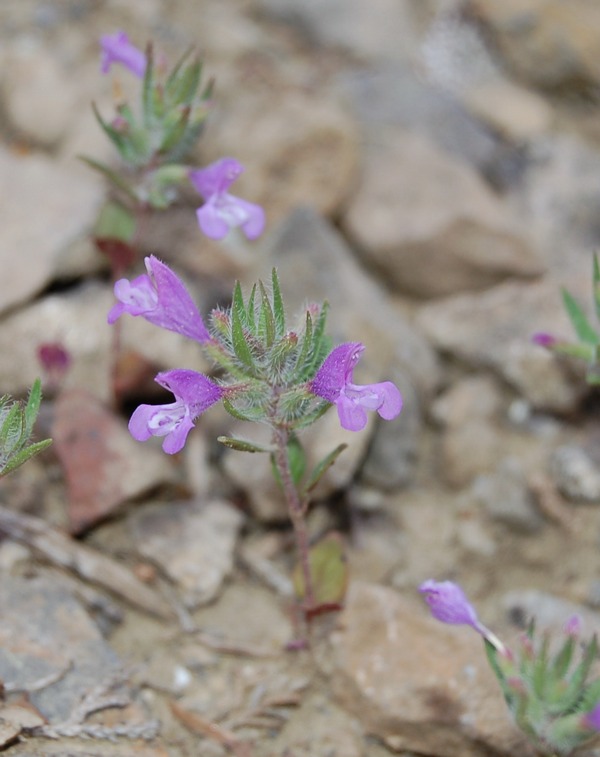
(194, 393)
(161, 298)
(222, 211)
(591, 720)
(116, 48)
(333, 382)
(543, 339)
(573, 625)
(449, 603)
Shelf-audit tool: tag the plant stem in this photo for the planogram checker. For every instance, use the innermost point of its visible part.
(297, 510)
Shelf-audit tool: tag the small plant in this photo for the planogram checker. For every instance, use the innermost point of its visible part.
(587, 346)
(550, 694)
(283, 376)
(16, 427)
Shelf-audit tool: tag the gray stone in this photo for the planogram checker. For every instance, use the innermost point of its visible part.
(192, 542)
(43, 210)
(506, 497)
(39, 95)
(493, 330)
(547, 42)
(470, 397)
(468, 450)
(576, 475)
(395, 95)
(549, 611)
(429, 224)
(44, 631)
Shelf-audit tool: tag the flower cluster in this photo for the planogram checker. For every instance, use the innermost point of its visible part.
(173, 110)
(271, 374)
(549, 695)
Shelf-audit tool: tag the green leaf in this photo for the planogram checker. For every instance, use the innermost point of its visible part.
(540, 668)
(242, 445)
(115, 222)
(184, 87)
(111, 175)
(250, 312)
(25, 454)
(278, 309)
(597, 284)
(120, 141)
(175, 132)
(562, 659)
(12, 434)
(492, 656)
(171, 79)
(238, 315)
(578, 319)
(32, 407)
(266, 319)
(578, 677)
(328, 570)
(322, 467)
(297, 459)
(249, 415)
(148, 102)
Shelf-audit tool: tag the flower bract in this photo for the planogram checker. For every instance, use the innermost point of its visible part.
(161, 298)
(333, 382)
(194, 393)
(223, 211)
(116, 48)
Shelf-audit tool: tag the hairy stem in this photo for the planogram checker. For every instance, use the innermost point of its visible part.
(297, 510)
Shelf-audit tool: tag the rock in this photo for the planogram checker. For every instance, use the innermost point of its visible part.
(45, 632)
(419, 685)
(315, 264)
(304, 150)
(558, 199)
(472, 397)
(77, 319)
(547, 43)
(394, 95)
(494, 330)
(104, 466)
(516, 113)
(576, 475)
(383, 29)
(38, 95)
(428, 241)
(392, 456)
(550, 612)
(43, 211)
(468, 450)
(193, 543)
(506, 497)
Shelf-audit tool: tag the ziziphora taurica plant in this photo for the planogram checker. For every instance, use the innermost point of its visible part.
(587, 346)
(271, 372)
(550, 694)
(16, 427)
(153, 139)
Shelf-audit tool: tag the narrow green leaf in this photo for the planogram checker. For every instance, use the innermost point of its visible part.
(12, 433)
(241, 415)
(297, 458)
(579, 676)
(242, 445)
(328, 571)
(562, 659)
(250, 311)
(322, 467)
(578, 319)
(32, 407)
(266, 320)
(492, 656)
(175, 132)
(278, 309)
(184, 88)
(119, 140)
(177, 68)
(148, 89)
(540, 668)
(24, 455)
(597, 284)
(111, 175)
(238, 315)
(187, 142)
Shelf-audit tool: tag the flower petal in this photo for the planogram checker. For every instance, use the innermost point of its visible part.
(211, 222)
(194, 389)
(333, 374)
(116, 48)
(449, 603)
(391, 399)
(216, 178)
(353, 416)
